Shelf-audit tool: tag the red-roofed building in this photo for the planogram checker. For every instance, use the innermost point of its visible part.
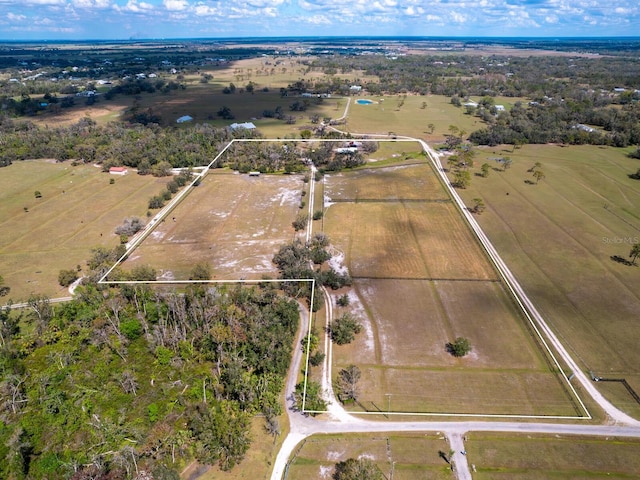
(118, 170)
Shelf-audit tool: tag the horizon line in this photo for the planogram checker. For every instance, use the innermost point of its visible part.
(333, 37)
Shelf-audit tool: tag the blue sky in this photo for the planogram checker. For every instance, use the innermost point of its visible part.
(123, 19)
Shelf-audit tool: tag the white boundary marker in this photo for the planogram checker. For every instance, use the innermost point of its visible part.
(157, 219)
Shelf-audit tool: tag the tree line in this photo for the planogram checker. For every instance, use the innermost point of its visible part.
(132, 145)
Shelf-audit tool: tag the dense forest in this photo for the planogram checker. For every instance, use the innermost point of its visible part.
(132, 379)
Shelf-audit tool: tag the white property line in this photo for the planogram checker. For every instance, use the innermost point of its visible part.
(133, 245)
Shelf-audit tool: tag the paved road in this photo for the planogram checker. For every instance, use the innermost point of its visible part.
(339, 421)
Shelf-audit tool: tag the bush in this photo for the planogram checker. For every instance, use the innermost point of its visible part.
(67, 277)
(317, 215)
(131, 329)
(316, 359)
(130, 226)
(344, 329)
(343, 301)
(459, 348)
(300, 222)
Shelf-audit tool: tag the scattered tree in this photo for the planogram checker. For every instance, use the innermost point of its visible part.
(634, 253)
(344, 329)
(484, 170)
(200, 271)
(478, 206)
(538, 175)
(130, 226)
(459, 348)
(357, 469)
(348, 379)
(4, 290)
(67, 277)
(37, 194)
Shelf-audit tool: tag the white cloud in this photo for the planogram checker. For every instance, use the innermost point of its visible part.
(135, 7)
(175, 5)
(458, 17)
(91, 3)
(551, 19)
(15, 18)
(202, 10)
(315, 20)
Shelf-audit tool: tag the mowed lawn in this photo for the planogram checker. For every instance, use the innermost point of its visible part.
(79, 210)
(420, 281)
(558, 238)
(520, 457)
(234, 223)
(411, 457)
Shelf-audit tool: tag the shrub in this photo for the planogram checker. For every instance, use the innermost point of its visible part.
(459, 348)
(344, 329)
(67, 277)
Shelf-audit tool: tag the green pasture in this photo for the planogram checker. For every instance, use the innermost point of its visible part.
(524, 457)
(403, 456)
(79, 210)
(388, 117)
(559, 237)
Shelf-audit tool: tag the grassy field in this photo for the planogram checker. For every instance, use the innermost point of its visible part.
(410, 119)
(235, 223)
(559, 237)
(78, 211)
(404, 243)
(520, 457)
(411, 457)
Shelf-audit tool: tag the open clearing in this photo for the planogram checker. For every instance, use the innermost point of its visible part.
(79, 210)
(421, 281)
(524, 457)
(411, 119)
(235, 223)
(558, 239)
(410, 456)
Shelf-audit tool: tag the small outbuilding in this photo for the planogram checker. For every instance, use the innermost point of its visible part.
(118, 170)
(185, 118)
(246, 125)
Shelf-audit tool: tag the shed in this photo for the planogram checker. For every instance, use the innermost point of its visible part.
(185, 118)
(247, 125)
(118, 170)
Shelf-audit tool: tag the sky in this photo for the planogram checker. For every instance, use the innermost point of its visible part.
(165, 19)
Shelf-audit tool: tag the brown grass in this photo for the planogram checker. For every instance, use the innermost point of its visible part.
(410, 456)
(79, 210)
(498, 456)
(558, 239)
(421, 281)
(233, 222)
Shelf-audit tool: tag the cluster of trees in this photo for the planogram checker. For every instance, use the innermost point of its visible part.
(127, 379)
(136, 146)
(264, 157)
(294, 262)
(172, 188)
(571, 121)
